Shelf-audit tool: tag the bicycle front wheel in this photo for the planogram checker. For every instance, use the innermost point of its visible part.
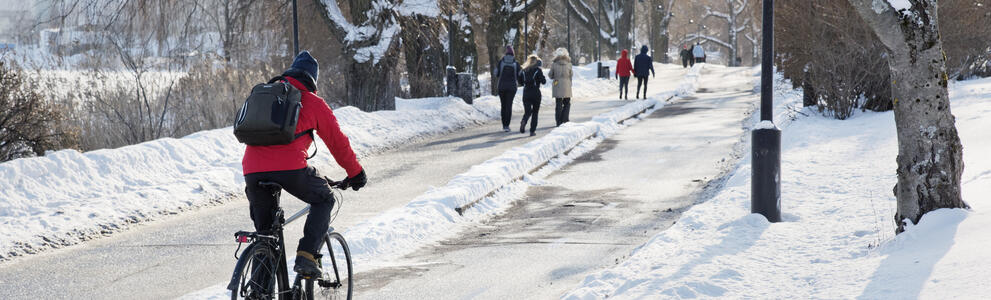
(336, 281)
(256, 273)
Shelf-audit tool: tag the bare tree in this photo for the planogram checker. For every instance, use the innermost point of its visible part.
(734, 13)
(29, 124)
(660, 19)
(930, 156)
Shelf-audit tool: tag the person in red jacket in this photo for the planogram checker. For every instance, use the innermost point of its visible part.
(623, 68)
(286, 165)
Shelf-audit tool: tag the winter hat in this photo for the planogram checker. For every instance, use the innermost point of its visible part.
(643, 49)
(509, 50)
(306, 64)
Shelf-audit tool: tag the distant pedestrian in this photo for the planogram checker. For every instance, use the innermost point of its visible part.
(532, 77)
(641, 64)
(698, 53)
(507, 73)
(686, 57)
(560, 73)
(623, 68)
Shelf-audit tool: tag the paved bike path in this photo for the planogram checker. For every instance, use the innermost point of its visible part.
(590, 214)
(193, 250)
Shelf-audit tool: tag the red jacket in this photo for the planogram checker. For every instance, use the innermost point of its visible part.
(623, 65)
(315, 114)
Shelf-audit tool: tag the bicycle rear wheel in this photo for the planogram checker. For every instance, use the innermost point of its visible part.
(257, 268)
(336, 281)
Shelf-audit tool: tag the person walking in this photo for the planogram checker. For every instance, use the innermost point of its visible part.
(560, 75)
(286, 165)
(641, 64)
(698, 53)
(507, 73)
(686, 57)
(623, 68)
(532, 77)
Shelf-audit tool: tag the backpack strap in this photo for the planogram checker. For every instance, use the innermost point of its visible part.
(308, 132)
(276, 78)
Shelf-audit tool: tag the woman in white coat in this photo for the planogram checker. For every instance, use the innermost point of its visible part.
(560, 75)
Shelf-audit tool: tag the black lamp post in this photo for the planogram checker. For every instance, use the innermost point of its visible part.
(295, 30)
(765, 186)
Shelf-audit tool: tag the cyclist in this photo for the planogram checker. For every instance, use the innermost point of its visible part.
(286, 165)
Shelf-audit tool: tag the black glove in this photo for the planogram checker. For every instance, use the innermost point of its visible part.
(356, 182)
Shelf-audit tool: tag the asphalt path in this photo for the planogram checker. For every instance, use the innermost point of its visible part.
(590, 214)
(179, 254)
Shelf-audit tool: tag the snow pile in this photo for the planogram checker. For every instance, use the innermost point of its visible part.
(67, 196)
(837, 235)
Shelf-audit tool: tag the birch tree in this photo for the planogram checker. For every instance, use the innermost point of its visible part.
(930, 156)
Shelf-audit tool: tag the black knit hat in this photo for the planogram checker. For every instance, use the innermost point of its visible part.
(306, 64)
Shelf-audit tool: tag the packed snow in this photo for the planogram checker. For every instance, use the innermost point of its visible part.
(836, 240)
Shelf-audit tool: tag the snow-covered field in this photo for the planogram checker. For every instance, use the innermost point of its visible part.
(67, 196)
(837, 238)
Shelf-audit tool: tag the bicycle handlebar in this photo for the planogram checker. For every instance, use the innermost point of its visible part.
(334, 184)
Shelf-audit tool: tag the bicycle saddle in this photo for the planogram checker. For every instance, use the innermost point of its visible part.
(268, 185)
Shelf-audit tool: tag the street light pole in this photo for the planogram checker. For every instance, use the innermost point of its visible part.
(295, 30)
(765, 186)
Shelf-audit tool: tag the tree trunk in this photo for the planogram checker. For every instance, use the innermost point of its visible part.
(930, 156)
(504, 17)
(372, 83)
(371, 86)
(660, 19)
(425, 56)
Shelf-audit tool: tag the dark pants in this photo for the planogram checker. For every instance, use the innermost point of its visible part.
(307, 185)
(506, 99)
(691, 61)
(624, 84)
(530, 109)
(700, 59)
(684, 62)
(562, 108)
(641, 80)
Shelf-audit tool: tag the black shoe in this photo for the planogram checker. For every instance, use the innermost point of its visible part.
(533, 133)
(505, 128)
(307, 265)
(523, 128)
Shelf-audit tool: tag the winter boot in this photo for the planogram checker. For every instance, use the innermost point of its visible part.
(523, 127)
(505, 128)
(307, 265)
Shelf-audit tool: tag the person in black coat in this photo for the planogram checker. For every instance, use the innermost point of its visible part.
(641, 64)
(507, 73)
(533, 78)
(686, 56)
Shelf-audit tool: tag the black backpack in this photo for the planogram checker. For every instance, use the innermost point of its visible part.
(270, 114)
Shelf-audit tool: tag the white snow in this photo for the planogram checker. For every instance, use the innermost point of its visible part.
(837, 238)
(67, 197)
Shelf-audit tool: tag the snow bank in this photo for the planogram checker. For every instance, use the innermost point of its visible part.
(66, 196)
(836, 239)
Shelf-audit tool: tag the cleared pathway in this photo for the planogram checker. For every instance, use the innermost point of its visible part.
(590, 214)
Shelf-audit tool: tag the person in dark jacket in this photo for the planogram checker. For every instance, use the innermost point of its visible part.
(286, 165)
(533, 78)
(623, 68)
(641, 64)
(686, 57)
(507, 73)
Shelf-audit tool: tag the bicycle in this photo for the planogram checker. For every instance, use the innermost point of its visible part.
(263, 264)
